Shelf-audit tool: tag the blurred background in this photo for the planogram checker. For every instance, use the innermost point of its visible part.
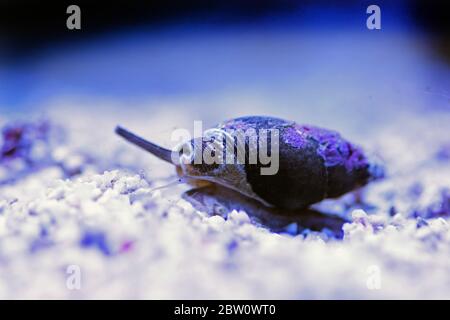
(313, 61)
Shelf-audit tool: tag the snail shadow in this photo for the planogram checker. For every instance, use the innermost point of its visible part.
(216, 200)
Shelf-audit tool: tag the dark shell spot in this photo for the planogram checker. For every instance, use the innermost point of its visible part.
(300, 181)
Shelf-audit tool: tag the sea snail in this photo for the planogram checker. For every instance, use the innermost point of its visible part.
(313, 163)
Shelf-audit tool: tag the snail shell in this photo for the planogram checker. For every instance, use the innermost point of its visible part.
(313, 163)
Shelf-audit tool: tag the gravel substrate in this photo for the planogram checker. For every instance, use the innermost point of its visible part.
(79, 201)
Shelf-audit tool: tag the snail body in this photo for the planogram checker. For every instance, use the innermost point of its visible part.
(312, 163)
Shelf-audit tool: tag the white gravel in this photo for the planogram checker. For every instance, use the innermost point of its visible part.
(125, 240)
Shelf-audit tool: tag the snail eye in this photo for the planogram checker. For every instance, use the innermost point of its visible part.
(186, 153)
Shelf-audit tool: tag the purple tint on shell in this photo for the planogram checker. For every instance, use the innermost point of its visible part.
(294, 137)
(254, 122)
(334, 149)
(235, 125)
(357, 159)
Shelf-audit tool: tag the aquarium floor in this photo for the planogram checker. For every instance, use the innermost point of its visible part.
(86, 223)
